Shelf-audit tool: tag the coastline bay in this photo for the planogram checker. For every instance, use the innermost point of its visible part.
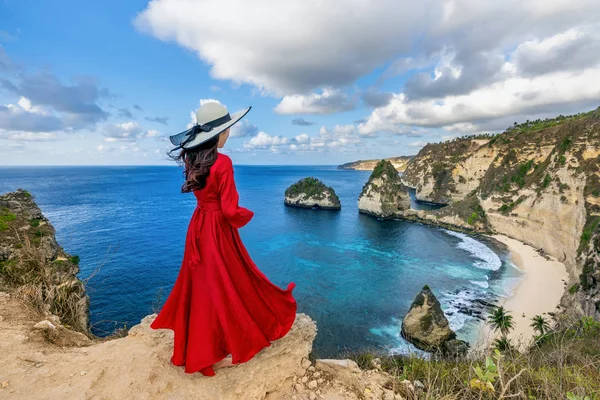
(356, 276)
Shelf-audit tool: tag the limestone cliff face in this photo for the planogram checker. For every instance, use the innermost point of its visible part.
(34, 266)
(447, 172)
(312, 193)
(538, 182)
(383, 195)
(399, 163)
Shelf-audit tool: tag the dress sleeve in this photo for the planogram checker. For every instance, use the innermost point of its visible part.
(234, 214)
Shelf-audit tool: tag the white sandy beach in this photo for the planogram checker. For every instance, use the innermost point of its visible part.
(538, 292)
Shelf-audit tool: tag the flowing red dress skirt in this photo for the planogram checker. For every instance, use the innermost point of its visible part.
(221, 302)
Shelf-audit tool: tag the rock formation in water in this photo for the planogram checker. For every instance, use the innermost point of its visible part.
(538, 182)
(383, 195)
(312, 193)
(425, 324)
(399, 163)
(36, 267)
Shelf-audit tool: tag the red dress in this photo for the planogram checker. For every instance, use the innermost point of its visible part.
(221, 302)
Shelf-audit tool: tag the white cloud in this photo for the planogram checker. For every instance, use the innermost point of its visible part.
(263, 141)
(302, 138)
(574, 49)
(330, 101)
(127, 131)
(516, 95)
(340, 141)
(477, 62)
(243, 129)
(33, 136)
(288, 47)
(153, 133)
(25, 118)
(419, 143)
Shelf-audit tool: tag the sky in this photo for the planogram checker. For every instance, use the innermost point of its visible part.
(106, 82)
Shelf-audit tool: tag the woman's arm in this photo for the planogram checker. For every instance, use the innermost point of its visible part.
(234, 214)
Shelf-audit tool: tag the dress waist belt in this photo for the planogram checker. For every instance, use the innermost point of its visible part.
(207, 207)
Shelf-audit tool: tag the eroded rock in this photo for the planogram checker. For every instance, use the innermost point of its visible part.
(425, 324)
(312, 193)
(384, 195)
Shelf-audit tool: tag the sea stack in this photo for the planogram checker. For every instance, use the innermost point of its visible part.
(383, 195)
(425, 324)
(312, 193)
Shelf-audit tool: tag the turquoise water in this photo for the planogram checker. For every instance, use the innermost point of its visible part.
(356, 276)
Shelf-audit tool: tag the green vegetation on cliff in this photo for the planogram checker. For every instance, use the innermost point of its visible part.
(384, 170)
(35, 267)
(312, 188)
(439, 160)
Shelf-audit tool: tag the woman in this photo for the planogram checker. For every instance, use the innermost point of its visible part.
(221, 303)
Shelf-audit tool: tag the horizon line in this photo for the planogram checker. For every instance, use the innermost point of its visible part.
(160, 165)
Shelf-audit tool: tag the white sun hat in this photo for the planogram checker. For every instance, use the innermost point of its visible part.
(212, 118)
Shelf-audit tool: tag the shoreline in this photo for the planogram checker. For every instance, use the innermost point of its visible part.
(538, 292)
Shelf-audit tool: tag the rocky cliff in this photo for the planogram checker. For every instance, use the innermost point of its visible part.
(383, 195)
(426, 326)
(35, 267)
(399, 163)
(312, 193)
(538, 182)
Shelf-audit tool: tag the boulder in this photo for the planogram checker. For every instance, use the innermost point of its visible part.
(312, 193)
(455, 349)
(425, 324)
(384, 195)
(44, 325)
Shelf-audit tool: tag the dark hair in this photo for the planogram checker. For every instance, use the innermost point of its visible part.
(197, 162)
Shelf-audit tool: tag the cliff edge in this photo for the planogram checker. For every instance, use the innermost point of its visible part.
(538, 182)
(35, 267)
(400, 163)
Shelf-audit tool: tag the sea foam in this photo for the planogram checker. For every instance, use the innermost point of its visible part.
(489, 259)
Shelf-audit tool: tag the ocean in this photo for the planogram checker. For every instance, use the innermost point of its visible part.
(355, 275)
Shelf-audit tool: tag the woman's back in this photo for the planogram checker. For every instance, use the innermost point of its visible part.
(221, 302)
(211, 193)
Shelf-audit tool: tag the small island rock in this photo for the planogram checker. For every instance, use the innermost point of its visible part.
(425, 324)
(383, 195)
(312, 193)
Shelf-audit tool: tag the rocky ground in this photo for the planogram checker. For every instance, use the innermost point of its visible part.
(37, 366)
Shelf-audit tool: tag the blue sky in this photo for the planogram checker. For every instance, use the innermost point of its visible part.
(329, 82)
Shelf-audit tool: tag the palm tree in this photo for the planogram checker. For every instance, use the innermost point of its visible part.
(502, 344)
(501, 320)
(540, 325)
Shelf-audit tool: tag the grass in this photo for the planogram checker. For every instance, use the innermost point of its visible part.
(588, 231)
(5, 218)
(37, 281)
(574, 288)
(566, 363)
